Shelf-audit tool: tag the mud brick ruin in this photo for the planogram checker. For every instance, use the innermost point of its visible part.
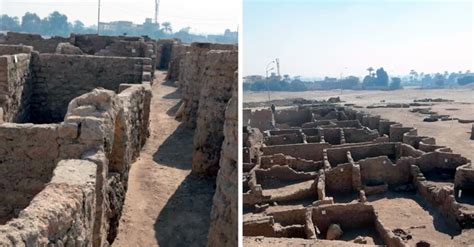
(206, 75)
(329, 175)
(74, 115)
(72, 125)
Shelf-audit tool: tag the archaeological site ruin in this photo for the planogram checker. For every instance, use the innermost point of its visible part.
(78, 113)
(327, 174)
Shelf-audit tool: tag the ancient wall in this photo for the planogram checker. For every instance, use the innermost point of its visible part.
(15, 49)
(15, 85)
(309, 151)
(192, 68)
(28, 156)
(60, 78)
(293, 117)
(224, 216)
(101, 127)
(216, 90)
(178, 52)
(163, 54)
(39, 43)
(62, 214)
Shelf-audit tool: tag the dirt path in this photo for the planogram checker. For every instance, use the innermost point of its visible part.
(165, 204)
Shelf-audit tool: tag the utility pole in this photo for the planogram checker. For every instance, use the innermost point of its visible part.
(98, 18)
(157, 3)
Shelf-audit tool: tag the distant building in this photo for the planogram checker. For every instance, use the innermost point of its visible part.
(253, 78)
(116, 25)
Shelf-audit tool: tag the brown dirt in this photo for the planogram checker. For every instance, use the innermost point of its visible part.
(165, 205)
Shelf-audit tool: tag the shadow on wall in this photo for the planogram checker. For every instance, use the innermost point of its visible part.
(177, 150)
(184, 221)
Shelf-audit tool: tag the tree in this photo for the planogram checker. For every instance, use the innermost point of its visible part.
(8, 23)
(31, 23)
(413, 75)
(439, 80)
(466, 80)
(78, 27)
(396, 83)
(368, 81)
(370, 69)
(56, 24)
(382, 78)
(167, 27)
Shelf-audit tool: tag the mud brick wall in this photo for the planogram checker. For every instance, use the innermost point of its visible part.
(61, 214)
(163, 52)
(309, 151)
(15, 87)
(178, 52)
(35, 40)
(440, 160)
(378, 170)
(339, 179)
(348, 216)
(28, 155)
(190, 76)
(216, 91)
(293, 117)
(261, 119)
(120, 46)
(60, 78)
(15, 49)
(224, 216)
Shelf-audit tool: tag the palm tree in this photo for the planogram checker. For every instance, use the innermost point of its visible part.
(370, 69)
(167, 27)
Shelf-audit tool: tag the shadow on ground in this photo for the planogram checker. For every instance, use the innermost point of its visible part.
(172, 111)
(177, 150)
(184, 221)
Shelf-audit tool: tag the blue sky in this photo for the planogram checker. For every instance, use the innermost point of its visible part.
(203, 16)
(322, 37)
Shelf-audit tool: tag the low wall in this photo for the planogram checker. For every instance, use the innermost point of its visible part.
(61, 214)
(309, 151)
(39, 43)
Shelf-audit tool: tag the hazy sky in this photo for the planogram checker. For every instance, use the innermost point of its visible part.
(204, 16)
(322, 37)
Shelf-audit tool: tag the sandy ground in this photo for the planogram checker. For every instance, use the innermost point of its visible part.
(409, 213)
(165, 204)
(449, 133)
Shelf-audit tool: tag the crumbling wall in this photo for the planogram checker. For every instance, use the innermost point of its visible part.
(163, 54)
(178, 52)
(61, 214)
(60, 78)
(192, 69)
(293, 117)
(15, 85)
(28, 156)
(224, 216)
(309, 151)
(216, 91)
(15, 49)
(39, 43)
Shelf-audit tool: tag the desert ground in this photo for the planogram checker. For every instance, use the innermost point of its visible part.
(447, 133)
(166, 205)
